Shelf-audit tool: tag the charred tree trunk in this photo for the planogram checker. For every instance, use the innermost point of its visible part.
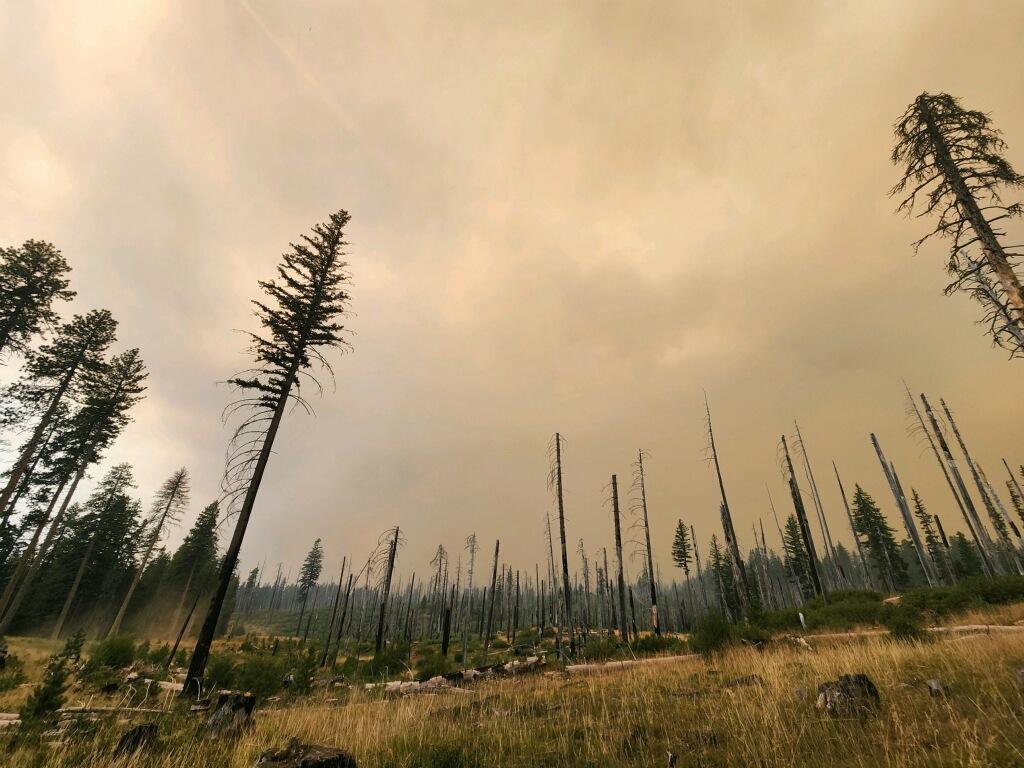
(995, 256)
(826, 534)
(334, 615)
(647, 537)
(567, 593)
(977, 530)
(379, 644)
(805, 529)
(901, 504)
(620, 578)
(739, 572)
(853, 531)
(494, 594)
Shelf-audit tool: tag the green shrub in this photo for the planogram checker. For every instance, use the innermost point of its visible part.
(527, 636)
(12, 675)
(598, 648)
(48, 696)
(753, 634)
(220, 671)
(941, 601)
(904, 622)
(260, 675)
(656, 644)
(712, 634)
(389, 662)
(1002, 589)
(786, 620)
(117, 652)
(159, 655)
(72, 650)
(305, 672)
(432, 665)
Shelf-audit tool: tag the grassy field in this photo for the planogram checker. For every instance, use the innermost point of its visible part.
(708, 712)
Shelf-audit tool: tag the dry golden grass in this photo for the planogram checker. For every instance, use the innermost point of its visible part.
(632, 718)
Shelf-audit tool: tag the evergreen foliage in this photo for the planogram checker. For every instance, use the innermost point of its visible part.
(682, 550)
(879, 541)
(32, 277)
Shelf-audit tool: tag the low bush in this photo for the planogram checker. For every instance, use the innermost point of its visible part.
(713, 633)
(159, 654)
(115, 653)
(305, 671)
(261, 675)
(220, 671)
(599, 648)
(389, 662)
(753, 634)
(904, 622)
(47, 697)
(432, 665)
(657, 644)
(11, 670)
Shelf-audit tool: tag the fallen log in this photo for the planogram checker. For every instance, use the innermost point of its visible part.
(613, 666)
(68, 712)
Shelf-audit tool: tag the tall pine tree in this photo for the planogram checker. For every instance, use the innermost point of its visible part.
(32, 277)
(301, 321)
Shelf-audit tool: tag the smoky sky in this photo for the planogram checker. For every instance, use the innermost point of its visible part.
(565, 216)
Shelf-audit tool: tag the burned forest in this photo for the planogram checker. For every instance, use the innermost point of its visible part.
(651, 401)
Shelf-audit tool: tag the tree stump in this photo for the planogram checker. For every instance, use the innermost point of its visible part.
(299, 755)
(849, 695)
(136, 739)
(232, 715)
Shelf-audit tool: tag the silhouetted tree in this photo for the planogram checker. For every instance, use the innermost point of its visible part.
(193, 566)
(111, 392)
(796, 557)
(168, 504)
(300, 321)
(952, 157)
(966, 560)
(879, 540)
(52, 373)
(308, 575)
(32, 277)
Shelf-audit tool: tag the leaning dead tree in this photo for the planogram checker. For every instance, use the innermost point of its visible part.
(954, 166)
(301, 320)
(974, 526)
(826, 534)
(993, 505)
(805, 528)
(738, 571)
(901, 503)
(853, 530)
(387, 549)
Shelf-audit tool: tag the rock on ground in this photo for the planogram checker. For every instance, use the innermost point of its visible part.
(849, 695)
(299, 755)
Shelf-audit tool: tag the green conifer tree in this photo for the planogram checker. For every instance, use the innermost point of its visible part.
(31, 278)
(878, 539)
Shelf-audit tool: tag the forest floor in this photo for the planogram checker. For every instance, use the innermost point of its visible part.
(744, 707)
